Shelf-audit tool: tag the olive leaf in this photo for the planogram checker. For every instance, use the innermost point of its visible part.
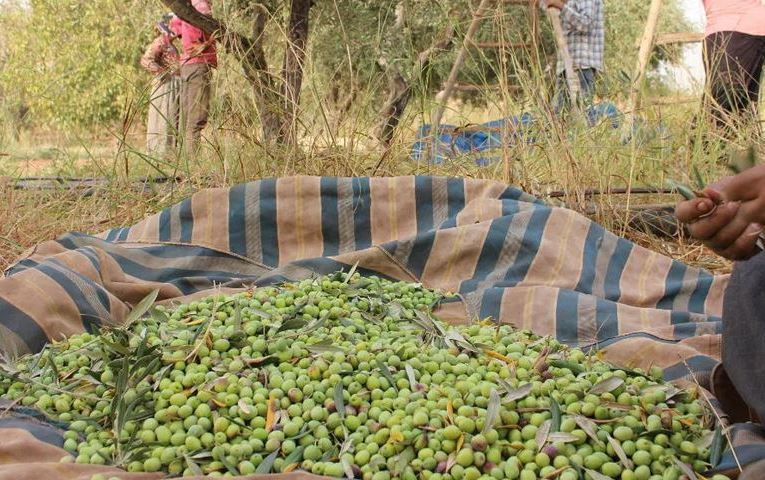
(589, 427)
(492, 411)
(595, 475)
(620, 453)
(142, 307)
(339, 400)
(686, 469)
(562, 437)
(519, 393)
(410, 375)
(543, 433)
(605, 386)
(267, 464)
(555, 415)
(386, 373)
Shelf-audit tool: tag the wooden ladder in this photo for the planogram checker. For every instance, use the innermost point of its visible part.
(648, 42)
(480, 15)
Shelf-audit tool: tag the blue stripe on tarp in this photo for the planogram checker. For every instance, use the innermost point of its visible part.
(673, 284)
(615, 268)
(423, 200)
(103, 297)
(697, 363)
(455, 192)
(123, 234)
(187, 280)
(532, 238)
(418, 258)
(490, 252)
(186, 217)
(606, 319)
(237, 222)
(699, 295)
(684, 330)
(330, 222)
(491, 302)
(567, 317)
(269, 235)
(22, 325)
(362, 218)
(677, 317)
(165, 217)
(42, 432)
(89, 316)
(592, 243)
(510, 208)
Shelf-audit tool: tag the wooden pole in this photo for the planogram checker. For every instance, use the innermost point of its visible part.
(572, 79)
(644, 55)
(443, 97)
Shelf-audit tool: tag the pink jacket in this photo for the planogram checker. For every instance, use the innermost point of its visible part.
(745, 16)
(198, 47)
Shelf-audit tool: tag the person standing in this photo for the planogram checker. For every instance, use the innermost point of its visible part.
(584, 31)
(161, 59)
(198, 59)
(734, 53)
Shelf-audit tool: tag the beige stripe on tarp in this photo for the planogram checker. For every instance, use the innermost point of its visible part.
(477, 189)
(209, 210)
(298, 218)
(636, 319)
(377, 260)
(480, 210)
(605, 253)
(637, 352)
(643, 279)
(454, 256)
(558, 260)
(440, 200)
(393, 209)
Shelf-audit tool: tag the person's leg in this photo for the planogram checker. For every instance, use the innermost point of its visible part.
(196, 100)
(154, 122)
(743, 355)
(732, 60)
(587, 77)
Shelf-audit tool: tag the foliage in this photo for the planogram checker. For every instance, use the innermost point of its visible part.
(74, 62)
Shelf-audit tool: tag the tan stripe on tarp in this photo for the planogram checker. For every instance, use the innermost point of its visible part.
(714, 302)
(706, 344)
(558, 259)
(642, 283)
(587, 324)
(23, 457)
(530, 308)
(454, 256)
(299, 218)
(46, 301)
(636, 319)
(210, 213)
(404, 206)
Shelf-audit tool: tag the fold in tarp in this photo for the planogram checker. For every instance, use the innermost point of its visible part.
(509, 256)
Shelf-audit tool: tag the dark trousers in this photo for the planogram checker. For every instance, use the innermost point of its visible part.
(196, 90)
(733, 62)
(562, 100)
(743, 351)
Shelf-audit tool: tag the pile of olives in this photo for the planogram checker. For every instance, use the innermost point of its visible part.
(354, 376)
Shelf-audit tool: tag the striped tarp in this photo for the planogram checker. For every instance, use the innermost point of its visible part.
(509, 256)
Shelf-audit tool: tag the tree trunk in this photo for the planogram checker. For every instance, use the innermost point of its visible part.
(292, 70)
(400, 91)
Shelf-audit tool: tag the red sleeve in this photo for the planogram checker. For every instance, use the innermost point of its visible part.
(176, 25)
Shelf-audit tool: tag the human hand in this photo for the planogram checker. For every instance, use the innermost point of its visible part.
(720, 223)
(557, 4)
(748, 188)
